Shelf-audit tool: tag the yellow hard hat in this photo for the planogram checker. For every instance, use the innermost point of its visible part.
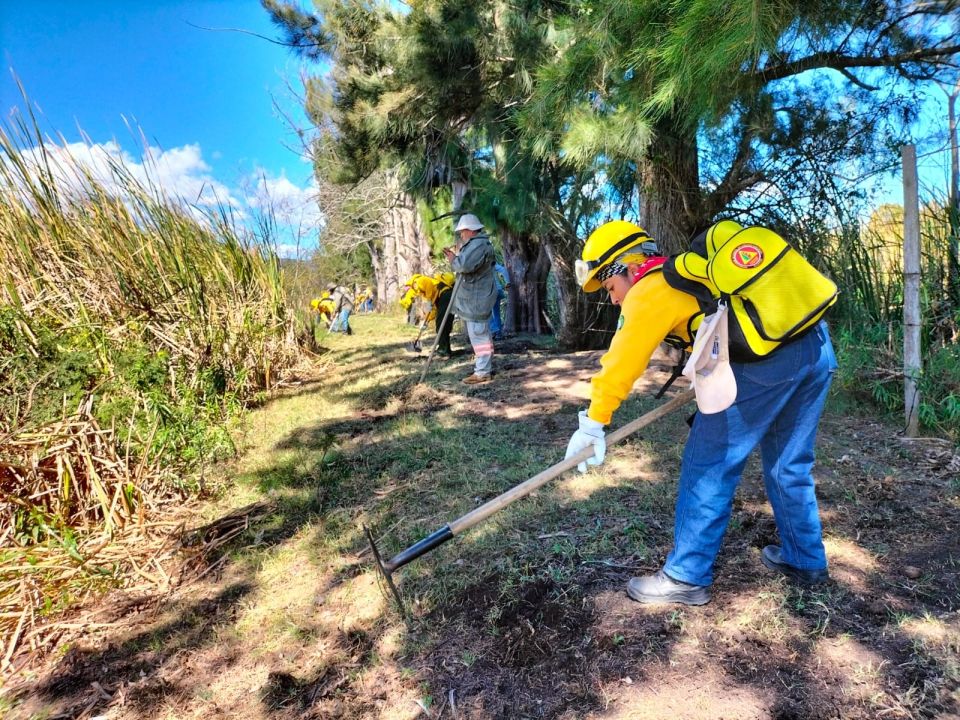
(446, 278)
(614, 241)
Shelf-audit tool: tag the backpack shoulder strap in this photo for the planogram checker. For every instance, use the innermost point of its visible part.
(682, 272)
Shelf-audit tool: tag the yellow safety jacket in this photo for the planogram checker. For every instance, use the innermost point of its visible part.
(323, 306)
(651, 312)
(430, 288)
(425, 287)
(408, 297)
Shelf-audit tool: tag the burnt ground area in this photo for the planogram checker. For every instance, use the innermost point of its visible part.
(526, 615)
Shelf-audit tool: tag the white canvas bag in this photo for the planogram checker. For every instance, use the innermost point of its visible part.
(708, 368)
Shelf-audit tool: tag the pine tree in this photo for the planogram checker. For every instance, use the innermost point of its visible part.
(649, 82)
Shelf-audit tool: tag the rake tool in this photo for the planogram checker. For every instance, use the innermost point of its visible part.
(478, 515)
(443, 323)
(415, 346)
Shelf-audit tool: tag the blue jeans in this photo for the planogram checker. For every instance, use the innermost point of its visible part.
(342, 322)
(779, 403)
(496, 324)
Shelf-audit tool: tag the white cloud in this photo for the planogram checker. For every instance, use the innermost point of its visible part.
(292, 251)
(181, 175)
(290, 204)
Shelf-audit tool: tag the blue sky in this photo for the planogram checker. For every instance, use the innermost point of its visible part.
(204, 99)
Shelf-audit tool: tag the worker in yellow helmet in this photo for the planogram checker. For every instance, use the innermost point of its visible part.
(323, 306)
(436, 290)
(776, 404)
(408, 297)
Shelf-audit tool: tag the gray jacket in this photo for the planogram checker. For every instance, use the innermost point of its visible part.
(342, 299)
(478, 287)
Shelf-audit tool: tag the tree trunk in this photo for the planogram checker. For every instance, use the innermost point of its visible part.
(587, 320)
(376, 261)
(528, 265)
(459, 190)
(671, 208)
(387, 282)
(405, 248)
(413, 250)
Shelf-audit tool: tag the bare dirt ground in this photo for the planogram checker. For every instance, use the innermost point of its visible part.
(525, 616)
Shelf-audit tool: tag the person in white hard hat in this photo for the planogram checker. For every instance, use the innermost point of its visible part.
(473, 260)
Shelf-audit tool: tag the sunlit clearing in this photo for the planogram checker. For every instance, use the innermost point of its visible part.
(390, 642)
(850, 563)
(404, 707)
(761, 616)
(282, 603)
(578, 486)
(858, 669)
(707, 693)
(631, 464)
(934, 633)
(409, 425)
(358, 601)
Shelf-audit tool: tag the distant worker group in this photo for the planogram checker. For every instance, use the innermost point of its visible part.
(337, 303)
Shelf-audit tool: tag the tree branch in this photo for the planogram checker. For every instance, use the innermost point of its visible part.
(837, 61)
(856, 81)
(734, 182)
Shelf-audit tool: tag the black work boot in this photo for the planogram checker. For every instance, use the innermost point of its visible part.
(771, 558)
(661, 588)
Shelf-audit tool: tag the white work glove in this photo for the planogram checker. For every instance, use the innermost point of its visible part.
(590, 433)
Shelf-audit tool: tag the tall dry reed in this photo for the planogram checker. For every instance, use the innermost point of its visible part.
(132, 326)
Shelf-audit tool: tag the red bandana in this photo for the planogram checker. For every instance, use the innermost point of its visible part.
(649, 264)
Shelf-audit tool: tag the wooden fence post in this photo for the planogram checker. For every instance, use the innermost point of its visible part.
(912, 365)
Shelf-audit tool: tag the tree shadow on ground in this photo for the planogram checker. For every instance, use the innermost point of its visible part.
(525, 616)
(88, 681)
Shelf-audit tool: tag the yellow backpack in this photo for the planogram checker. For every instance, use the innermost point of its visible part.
(773, 293)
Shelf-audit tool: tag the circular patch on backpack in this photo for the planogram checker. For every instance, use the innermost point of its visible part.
(747, 256)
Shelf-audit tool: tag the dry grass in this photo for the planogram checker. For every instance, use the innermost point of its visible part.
(131, 329)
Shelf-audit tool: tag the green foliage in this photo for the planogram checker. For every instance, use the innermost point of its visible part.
(870, 357)
(122, 313)
(866, 263)
(342, 267)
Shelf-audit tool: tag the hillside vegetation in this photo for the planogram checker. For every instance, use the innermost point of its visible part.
(133, 327)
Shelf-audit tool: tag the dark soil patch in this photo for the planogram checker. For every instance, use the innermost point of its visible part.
(536, 624)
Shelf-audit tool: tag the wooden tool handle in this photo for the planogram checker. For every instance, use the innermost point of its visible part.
(443, 322)
(525, 488)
